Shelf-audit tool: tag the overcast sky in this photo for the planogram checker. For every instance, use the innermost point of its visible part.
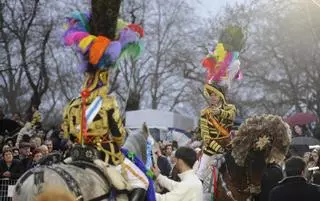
(205, 7)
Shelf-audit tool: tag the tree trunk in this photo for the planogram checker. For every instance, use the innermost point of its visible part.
(104, 17)
(133, 102)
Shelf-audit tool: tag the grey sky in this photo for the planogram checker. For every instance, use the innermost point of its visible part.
(205, 7)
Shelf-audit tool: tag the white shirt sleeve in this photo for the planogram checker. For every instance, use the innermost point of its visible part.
(179, 193)
(166, 182)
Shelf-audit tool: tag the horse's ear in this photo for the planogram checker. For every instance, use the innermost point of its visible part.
(145, 130)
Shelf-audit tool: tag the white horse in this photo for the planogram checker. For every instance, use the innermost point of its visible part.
(86, 180)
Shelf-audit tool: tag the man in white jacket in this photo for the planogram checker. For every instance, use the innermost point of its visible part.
(190, 187)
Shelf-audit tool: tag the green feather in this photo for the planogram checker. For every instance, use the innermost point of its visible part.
(232, 38)
(131, 51)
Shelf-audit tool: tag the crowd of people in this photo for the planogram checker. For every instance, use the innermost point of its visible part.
(176, 167)
(18, 157)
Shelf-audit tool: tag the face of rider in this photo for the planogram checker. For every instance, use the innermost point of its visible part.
(215, 101)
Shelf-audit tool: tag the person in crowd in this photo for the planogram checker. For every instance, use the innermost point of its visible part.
(190, 187)
(295, 186)
(44, 150)
(163, 164)
(197, 163)
(175, 145)
(49, 144)
(9, 142)
(270, 178)
(9, 167)
(297, 131)
(25, 155)
(35, 141)
(168, 150)
(316, 178)
(55, 194)
(15, 152)
(312, 160)
(168, 153)
(37, 155)
(174, 172)
(17, 118)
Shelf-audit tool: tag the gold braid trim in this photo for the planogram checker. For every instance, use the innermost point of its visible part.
(116, 157)
(135, 174)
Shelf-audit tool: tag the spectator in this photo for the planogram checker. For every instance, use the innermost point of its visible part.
(35, 141)
(190, 187)
(37, 155)
(9, 142)
(175, 145)
(295, 187)
(197, 163)
(9, 167)
(44, 150)
(312, 160)
(54, 194)
(175, 171)
(49, 144)
(168, 150)
(17, 118)
(270, 178)
(163, 164)
(316, 178)
(25, 155)
(15, 152)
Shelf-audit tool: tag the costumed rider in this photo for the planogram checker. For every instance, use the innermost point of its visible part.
(94, 119)
(217, 118)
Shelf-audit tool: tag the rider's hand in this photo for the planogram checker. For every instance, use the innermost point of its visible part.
(156, 171)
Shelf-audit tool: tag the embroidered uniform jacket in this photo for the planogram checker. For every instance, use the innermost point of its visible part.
(214, 128)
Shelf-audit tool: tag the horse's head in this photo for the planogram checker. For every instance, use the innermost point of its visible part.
(141, 142)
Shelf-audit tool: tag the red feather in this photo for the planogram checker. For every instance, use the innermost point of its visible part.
(137, 28)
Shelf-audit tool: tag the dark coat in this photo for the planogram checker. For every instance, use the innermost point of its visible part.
(15, 169)
(270, 178)
(295, 189)
(164, 166)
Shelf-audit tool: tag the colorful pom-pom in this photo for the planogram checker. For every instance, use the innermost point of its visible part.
(100, 51)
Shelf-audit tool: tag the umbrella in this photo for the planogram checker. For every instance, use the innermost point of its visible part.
(301, 119)
(304, 141)
(9, 125)
(300, 145)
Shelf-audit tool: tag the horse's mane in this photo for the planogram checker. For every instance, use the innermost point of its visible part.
(137, 141)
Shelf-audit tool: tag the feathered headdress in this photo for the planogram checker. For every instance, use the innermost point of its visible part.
(266, 133)
(100, 51)
(222, 64)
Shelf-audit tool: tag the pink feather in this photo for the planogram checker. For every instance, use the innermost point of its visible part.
(223, 68)
(74, 37)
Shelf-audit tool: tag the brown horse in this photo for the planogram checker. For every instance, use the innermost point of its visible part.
(261, 140)
(232, 182)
